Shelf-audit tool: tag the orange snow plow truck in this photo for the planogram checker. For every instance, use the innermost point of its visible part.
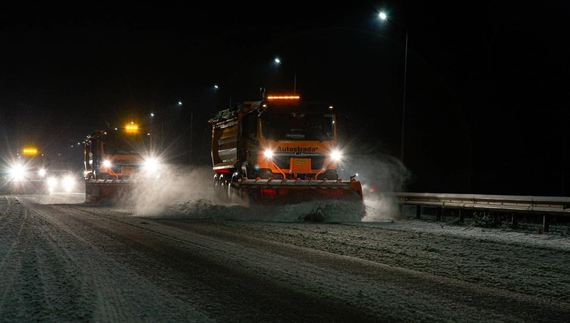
(115, 160)
(279, 150)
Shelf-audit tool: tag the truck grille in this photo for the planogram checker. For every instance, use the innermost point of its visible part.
(283, 161)
(117, 168)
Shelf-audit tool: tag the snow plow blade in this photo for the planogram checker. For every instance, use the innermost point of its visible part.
(97, 190)
(289, 191)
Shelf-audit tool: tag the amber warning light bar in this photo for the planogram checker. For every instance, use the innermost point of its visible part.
(283, 97)
(131, 127)
(30, 151)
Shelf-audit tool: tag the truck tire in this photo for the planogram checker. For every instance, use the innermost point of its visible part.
(233, 193)
(221, 188)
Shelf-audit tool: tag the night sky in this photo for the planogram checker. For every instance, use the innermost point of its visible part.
(486, 104)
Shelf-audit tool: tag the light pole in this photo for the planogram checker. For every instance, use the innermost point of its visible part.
(278, 62)
(191, 146)
(152, 134)
(383, 16)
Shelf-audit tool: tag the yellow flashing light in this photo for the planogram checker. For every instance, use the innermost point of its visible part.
(132, 127)
(283, 97)
(30, 151)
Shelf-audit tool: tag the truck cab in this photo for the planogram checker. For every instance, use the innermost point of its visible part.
(118, 154)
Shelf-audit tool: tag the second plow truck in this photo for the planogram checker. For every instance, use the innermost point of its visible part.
(115, 160)
(279, 150)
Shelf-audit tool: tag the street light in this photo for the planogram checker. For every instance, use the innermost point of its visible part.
(278, 62)
(383, 16)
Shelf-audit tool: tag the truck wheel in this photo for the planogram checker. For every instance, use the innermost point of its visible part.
(221, 188)
(233, 194)
(217, 187)
(215, 182)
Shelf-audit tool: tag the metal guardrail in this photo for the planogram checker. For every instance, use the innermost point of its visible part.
(545, 206)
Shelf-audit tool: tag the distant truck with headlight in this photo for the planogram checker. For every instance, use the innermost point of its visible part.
(27, 171)
(116, 159)
(62, 177)
(279, 149)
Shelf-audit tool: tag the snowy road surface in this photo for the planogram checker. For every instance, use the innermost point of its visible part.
(63, 260)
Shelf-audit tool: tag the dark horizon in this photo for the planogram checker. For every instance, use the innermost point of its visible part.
(485, 110)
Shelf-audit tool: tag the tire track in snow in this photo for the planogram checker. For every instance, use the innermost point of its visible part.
(11, 225)
(83, 280)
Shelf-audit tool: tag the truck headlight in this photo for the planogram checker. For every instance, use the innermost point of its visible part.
(268, 154)
(151, 165)
(17, 172)
(52, 182)
(107, 163)
(68, 183)
(336, 155)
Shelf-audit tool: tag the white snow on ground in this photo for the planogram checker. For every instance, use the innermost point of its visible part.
(559, 239)
(190, 196)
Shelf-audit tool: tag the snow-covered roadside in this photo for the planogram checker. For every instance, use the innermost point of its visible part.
(381, 211)
(553, 240)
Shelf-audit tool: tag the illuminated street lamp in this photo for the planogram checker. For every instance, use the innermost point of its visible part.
(278, 62)
(383, 16)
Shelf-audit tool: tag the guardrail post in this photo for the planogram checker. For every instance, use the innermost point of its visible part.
(461, 215)
(418, 211)
(514, 220)
(438, 212)
(545, 223)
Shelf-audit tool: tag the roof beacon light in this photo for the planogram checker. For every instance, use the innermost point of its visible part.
(132, 127)
(283, 97)
(30, 151)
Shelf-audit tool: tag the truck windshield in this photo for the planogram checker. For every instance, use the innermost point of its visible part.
(297, 126)
(119, 143)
